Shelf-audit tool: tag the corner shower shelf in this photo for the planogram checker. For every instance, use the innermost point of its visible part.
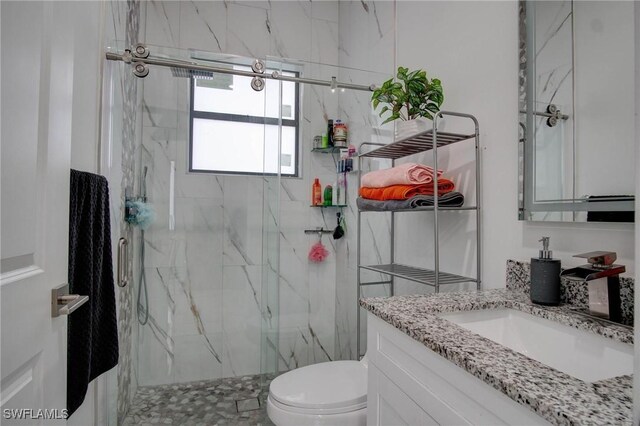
(328, 150)
(328, 207)
(429, 140)
(420, 275)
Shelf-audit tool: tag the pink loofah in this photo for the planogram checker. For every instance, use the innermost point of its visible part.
(318, 253)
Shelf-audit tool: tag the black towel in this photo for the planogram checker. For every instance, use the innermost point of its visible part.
(92, 346)
(610, 216)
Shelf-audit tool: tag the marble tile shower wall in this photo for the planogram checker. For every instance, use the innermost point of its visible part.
(122, 23)
(205, 278)
(366, 42)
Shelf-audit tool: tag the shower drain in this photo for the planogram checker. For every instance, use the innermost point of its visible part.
(247, 404)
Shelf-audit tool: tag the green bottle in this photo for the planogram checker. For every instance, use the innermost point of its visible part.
(328, 195)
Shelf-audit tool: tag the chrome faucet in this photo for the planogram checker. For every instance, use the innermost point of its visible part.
(602, 277)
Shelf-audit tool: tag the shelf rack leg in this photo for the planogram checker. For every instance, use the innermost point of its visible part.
(392, 252)
(358, 263)
(478, 210)
(436, 247)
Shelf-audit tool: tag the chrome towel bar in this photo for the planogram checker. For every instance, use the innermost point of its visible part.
(318, 231)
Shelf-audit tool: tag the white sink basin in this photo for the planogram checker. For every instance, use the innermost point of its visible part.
(578, 353)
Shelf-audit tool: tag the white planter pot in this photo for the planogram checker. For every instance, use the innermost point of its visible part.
(409, 128)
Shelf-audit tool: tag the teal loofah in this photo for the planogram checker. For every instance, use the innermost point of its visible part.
(139, 213)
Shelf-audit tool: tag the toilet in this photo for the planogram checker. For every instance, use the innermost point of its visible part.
(330, 393)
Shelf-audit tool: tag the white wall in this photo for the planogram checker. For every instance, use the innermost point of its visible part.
(87, 76)
(604, 114)
(472, 48)
(85, 129)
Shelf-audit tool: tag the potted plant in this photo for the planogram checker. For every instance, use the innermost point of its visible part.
(410, 97)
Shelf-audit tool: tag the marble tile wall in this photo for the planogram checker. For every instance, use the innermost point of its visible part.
(207, 279)
(367, 42)
(121, 98)
(118, 164)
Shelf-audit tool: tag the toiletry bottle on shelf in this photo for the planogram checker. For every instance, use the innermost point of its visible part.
(328, 195)
(316, 193)
(340, 134)
(342, 189)
(325, 141)
(334, 194)
(330, 131)
(317, 142)
(545, 277)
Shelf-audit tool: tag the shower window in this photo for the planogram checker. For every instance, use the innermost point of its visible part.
(235, 130)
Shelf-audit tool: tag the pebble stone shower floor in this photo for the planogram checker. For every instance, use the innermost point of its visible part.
(233, 401)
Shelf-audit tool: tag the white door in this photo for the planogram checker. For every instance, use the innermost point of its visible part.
(37, 90)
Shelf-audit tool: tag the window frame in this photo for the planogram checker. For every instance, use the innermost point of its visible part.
(220, 116)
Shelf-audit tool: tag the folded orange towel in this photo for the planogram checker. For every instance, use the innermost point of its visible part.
(404, 192)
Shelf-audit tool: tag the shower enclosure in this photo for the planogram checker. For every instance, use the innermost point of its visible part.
(227, 172)
(205, 280)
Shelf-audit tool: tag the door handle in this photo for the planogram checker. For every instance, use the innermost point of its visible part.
(123, 263)
(63, 303)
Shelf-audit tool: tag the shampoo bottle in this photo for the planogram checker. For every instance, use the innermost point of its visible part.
(334, 199)
(316, 193)
(545, 277)
(342, 189)
(330, 131)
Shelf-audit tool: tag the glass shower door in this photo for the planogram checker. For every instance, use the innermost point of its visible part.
(204, 291)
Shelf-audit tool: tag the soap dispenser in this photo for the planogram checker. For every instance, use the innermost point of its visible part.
(545, 277)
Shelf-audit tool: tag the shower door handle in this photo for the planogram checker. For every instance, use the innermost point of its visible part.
(122, 274)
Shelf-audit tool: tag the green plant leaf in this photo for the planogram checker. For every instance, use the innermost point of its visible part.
(433, 108)
(409, 96)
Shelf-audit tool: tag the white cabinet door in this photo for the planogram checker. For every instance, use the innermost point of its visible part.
(37, 92)
(388, 405)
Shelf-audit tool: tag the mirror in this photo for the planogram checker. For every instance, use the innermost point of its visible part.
(576, 103)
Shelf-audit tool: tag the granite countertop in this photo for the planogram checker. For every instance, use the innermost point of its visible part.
(556, 396)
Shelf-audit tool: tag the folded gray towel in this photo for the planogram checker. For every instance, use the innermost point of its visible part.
(450, 199)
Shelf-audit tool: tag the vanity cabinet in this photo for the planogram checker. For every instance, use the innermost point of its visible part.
(408, 384)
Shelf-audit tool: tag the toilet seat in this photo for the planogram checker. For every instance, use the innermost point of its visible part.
(327, 388)
(315, 411)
